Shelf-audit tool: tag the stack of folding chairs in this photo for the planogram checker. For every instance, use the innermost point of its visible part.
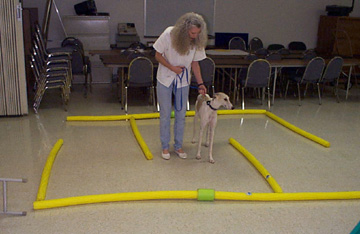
(52, 69)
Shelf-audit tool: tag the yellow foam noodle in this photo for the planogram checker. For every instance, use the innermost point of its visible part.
(232, 112)
(190, 113)
(267, 176)
(147, 116)
(298, 130)
(236, 112)
(287, 196)
(113, 117)
(139, 139)
(98, 118)
(155, 115)
(47, 170)
(167, 195)
(134, 196)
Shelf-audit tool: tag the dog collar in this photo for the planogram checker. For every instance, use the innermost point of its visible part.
(212, 108)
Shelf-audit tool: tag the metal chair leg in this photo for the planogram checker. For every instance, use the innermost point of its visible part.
(86, 81)
(337, 91)
(153, 98)
(126, 99)
(269, 102)
(306, 87)
(90, 82)
(230, 72)
(259, 92)
(65, 98)
(238, 94)
(235, 90)
(318, 87)
(298, 87)
(242, 98)
(223, 79)
(286, 89)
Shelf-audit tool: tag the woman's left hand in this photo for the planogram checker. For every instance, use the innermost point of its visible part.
(202, 89)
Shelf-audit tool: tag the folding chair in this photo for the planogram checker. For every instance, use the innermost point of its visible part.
(258, 76)
(140, 74)
(312, 75)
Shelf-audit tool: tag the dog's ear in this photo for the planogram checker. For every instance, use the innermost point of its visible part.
(216, 95)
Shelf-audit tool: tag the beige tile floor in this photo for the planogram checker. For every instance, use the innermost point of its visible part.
(104, 157)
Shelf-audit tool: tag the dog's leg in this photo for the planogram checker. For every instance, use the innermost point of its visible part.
(202, 127)
(194, 130)
(212, 126)
(211, 136)
(207, 136)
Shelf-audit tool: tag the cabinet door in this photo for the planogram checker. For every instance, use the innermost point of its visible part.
(348, 36)
(326, 35)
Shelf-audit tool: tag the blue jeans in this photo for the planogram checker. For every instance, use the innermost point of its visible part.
(164, 96)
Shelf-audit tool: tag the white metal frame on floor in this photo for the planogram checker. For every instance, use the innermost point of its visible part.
(5, 211)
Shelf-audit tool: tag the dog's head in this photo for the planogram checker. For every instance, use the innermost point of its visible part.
(223, 100)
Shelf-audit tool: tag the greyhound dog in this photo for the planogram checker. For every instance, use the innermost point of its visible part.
(205, 110)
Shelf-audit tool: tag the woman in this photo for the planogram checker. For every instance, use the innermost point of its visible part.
(178, 50)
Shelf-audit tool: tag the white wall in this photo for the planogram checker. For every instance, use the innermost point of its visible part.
(274, 21)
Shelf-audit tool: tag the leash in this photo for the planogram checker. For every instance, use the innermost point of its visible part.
(184, 70)
(211, 107)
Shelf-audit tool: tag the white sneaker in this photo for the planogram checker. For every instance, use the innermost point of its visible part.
(181, 155)
(165, 156)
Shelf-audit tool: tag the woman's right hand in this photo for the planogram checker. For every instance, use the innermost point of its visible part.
(162, 60)
(178, 69)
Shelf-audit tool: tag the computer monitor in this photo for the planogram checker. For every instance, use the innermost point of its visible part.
(222, 39)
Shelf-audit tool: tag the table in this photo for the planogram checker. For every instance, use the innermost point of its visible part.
(226, 52)
(118, 60)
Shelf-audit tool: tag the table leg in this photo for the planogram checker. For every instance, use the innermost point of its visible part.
(348, 83)
(235, 85)
(274, 85)
(122, 88)
(223, 79)
(118, 84)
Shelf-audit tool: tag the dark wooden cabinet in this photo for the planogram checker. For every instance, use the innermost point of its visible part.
(338, 36)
